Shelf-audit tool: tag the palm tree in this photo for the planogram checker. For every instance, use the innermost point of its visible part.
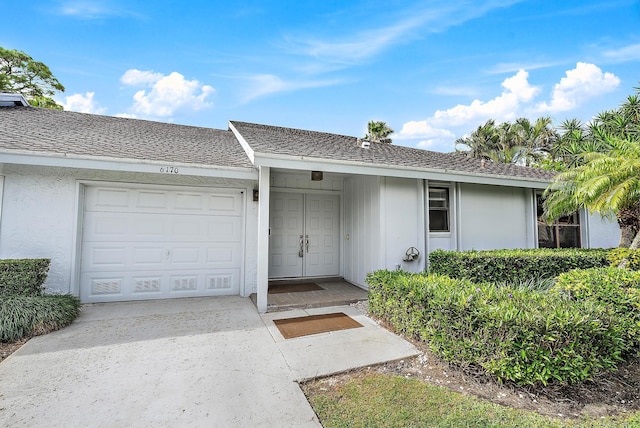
(522, 142)
(378, 131)
(607, 183)
(534, 139)
(574, 140)
(481, 143)
(604, 165)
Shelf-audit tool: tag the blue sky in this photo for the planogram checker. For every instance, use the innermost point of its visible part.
(433, 70)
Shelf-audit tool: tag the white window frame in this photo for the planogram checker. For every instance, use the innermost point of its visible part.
(447, 189)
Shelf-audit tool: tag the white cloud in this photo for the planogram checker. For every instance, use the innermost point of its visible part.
(517, 91)
(426, 144)
(135, 77)
(422, 129)
(92, 9)
(582, 83)
(83, 104)
(438, 131)
(167, 94)
(262, 85)
(512, 67)
(126, 115)
(435, 17)
(359, 46)
(625, 54)
(518, 99)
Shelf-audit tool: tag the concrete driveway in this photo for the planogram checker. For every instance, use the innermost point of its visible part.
(185, 362)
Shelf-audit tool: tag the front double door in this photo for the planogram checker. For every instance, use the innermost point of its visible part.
(304, 237)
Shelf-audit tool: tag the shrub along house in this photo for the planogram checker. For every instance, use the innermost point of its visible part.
(130, 209)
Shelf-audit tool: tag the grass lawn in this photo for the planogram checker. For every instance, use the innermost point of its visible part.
(377, 400)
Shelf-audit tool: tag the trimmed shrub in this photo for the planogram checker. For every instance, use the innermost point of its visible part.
(26, 316)
(518, 335)
(617, 255)
(23, 277)
(617, 289)
(506, 266)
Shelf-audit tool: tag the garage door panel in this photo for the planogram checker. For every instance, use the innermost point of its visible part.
(147, 227)
(151, 285)
(151, 199)
(187, 228)
(224, 255)
(224, 230)
(148, 244)
(186, 255)
(189, 202)
(106, 227)
(114, 256)
(225, 204)
(147, 256)
(170, 202)
(108, 198)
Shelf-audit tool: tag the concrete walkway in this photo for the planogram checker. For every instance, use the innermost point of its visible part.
(211, 362)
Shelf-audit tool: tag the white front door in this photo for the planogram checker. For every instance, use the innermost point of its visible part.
(304, 235)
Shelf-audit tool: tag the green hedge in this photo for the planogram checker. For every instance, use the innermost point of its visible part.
(509, 266)
(26, 316)
(518, 335)
(617, 289)
(23, 277)
(617, 255)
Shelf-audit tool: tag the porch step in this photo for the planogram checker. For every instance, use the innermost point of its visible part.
(335, 292)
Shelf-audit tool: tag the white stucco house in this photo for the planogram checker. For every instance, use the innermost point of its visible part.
(129, 209)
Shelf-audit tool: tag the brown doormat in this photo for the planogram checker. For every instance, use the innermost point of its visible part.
(304, 326)
(293, 288)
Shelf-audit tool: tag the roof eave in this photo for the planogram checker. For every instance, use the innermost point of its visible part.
(354, 167)
(125, 165)
(14, 99)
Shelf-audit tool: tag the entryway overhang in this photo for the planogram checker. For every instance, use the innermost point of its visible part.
(339, 166)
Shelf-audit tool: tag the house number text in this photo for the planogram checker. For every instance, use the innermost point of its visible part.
(169, 169)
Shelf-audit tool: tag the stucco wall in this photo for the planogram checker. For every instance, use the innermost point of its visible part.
(40, 214)
(38, 221)
(494, 217)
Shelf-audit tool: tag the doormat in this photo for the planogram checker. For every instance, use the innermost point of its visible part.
(304, 326)
(293, 288)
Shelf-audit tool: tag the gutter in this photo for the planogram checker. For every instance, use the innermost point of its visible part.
(20, 157)
(355, 167)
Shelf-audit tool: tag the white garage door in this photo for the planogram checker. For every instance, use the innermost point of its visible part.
(154, 243)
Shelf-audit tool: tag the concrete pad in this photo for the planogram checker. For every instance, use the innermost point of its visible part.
(338, 351)
(183, 362)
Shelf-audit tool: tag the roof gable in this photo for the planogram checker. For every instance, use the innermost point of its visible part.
(287, 142)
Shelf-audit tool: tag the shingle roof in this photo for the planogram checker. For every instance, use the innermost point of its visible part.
(273, 140)
(30, 129)
(70, 134)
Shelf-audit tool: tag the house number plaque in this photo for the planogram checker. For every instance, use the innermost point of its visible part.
(169, 169)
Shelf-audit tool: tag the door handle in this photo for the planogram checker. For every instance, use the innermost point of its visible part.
(307, 242)
(301, 242)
